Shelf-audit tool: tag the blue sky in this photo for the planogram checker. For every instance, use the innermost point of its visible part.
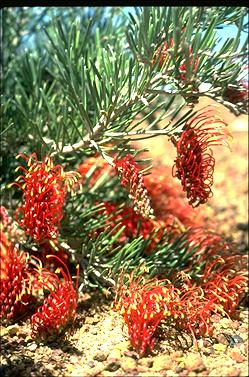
(228, 31)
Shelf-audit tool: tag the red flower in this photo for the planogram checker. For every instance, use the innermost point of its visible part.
(162, 53)
(208, 244)
(197, 310)
(135, 225)
(10, 226)
(164, 56)
(52, 247)
(143, 305)
(194, 164)
(132, 221)
(235, 95)
(44, 189)
(14, 273)
(133, 181)
(59, 308)
(224, 285)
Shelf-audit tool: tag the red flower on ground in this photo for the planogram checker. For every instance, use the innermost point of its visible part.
(133, 181)
(224, 285)
(59, 308)
(235, 95)
(194, 164)
(144, 304)
(44, 189)
(16, 292)
(197, 311)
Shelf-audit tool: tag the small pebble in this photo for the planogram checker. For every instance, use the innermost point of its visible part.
(223, 338)
(12, 330)
(236, 355)
(73, 359)
(113, 365)
(115, 354)
(235, 340)
(32, 347)
(194, 362)
(162, 362)
(220, 347)
(91, 364)
(208, 350)
(128, 364)
(28, 339)
(15, 359)
(146, 362)
(100, 356)
(132, 354)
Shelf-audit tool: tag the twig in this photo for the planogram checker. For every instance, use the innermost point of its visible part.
(138, 132)
(235, 109)
(227, 55)
(87, 140)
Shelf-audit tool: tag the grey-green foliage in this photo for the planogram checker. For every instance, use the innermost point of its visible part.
(90, 71)
(75, 80)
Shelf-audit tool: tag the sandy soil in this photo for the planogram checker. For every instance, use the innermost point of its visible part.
(98, 344)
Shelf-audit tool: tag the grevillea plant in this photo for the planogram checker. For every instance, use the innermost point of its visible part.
(51, 247)
(19, 280)
(224, 285)
(143, 304)
(194, 164)
(59, 307)
(44, 189)
(13, 273)
(171, 210)
(132, 222)
(133, 181)
(77, 101)
(23, 282)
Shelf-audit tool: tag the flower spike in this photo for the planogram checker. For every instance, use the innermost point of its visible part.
(132, 179)
(194, 164)
(44, 187)
(59, 308)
